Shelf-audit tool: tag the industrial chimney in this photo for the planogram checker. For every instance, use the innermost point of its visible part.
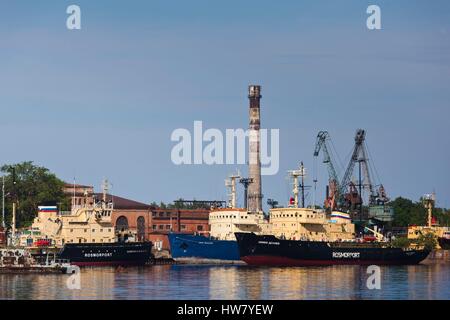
(254, 189)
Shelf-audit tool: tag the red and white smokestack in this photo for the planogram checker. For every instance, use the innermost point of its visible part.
(254, 189)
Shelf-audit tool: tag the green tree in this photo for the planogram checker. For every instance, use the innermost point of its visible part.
(406, 212)
(428, 241)
(34, 186)
(442, 216)
(401, 242)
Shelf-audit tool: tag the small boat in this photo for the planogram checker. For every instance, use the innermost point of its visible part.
(15, 260)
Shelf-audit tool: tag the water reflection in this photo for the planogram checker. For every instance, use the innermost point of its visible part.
(232, 282)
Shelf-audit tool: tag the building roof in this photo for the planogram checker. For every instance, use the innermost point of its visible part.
(71, 185)
(123, 203)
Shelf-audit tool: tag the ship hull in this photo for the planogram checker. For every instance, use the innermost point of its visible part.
(107, 254)
(200, 249)
(271, 251)
(444, 243)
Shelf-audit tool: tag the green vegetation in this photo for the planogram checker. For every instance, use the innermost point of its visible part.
(407, 212)
(179, 204)
(401, 243)
(34, 186)
(428, 241)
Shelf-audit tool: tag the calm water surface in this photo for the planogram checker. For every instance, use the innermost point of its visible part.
(234, 282)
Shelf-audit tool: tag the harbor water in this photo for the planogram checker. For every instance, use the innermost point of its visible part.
(425, 281)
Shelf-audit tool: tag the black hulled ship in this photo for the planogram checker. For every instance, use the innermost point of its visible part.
(107, 254)
(86, 236)
(268, 250)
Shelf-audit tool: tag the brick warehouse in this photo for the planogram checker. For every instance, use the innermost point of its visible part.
(178, 220)
(150, 223)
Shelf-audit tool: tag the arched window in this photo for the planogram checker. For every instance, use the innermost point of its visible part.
(141, 228)
(122, 223)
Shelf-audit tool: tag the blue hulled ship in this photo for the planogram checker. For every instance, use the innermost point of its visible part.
(197, 248)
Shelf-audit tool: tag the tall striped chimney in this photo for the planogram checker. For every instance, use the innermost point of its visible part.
(254, 189)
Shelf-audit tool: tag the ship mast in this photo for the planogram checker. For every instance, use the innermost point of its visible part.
(231, 185)
(105, 188)
(301, 172)
(246, 182)
(428, 202)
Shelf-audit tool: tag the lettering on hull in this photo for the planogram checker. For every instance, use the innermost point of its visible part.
(346, 255)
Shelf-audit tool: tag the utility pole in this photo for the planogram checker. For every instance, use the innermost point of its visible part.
(13, 229)
(302, 169)
(360, 192)
(3, 203)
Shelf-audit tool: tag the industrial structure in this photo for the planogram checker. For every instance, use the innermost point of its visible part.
(346, 194)
(254, 189)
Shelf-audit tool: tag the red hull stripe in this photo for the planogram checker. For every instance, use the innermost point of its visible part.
(282, 261)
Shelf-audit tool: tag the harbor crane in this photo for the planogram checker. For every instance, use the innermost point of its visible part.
(359, 155)
(345, 194)
(333, 184)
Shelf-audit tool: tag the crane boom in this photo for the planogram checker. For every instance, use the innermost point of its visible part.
(359, 139)
(359, 154)
(321, 145)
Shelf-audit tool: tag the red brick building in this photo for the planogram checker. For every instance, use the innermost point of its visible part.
(164, 221)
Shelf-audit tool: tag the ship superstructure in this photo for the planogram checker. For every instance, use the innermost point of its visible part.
(441, 233)
(87, 223)
(300, 223)
(85, 236)
(225, 222)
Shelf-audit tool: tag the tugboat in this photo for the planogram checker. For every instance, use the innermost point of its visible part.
(14, 260)
(268, 250)
(85, 236)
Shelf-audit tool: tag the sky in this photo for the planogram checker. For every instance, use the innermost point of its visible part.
(103, 101)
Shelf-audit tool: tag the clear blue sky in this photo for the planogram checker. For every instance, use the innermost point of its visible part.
(103, 101)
